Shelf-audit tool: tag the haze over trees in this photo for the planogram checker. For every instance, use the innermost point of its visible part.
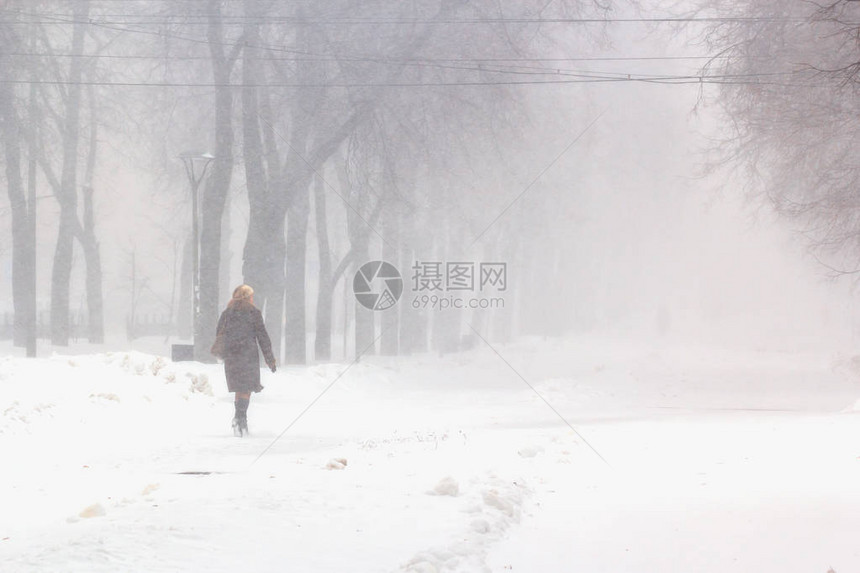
(354, 122)
(347, 132)
(46, 125)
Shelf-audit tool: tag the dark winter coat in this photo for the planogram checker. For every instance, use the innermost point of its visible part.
(243, 328)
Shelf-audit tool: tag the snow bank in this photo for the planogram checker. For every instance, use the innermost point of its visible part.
(493, 505)
(35, 394)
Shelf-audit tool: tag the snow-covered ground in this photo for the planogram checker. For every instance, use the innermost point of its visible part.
(577, 455)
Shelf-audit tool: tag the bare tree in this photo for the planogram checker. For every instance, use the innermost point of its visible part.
(400, 97)
(321, 119)
(66, 117)
(788, 76)
(412, 126)
(60, 110)
(22, 207)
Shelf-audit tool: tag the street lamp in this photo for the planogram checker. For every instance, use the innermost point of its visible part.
(196, 164)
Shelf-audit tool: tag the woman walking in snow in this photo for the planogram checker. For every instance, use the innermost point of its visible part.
(242, 328)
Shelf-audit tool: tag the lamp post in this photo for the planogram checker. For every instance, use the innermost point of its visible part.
(196, 164)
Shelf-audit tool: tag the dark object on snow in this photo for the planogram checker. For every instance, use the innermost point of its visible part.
(182, 352)
(243, 330)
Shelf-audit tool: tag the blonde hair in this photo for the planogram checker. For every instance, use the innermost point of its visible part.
(243, 292)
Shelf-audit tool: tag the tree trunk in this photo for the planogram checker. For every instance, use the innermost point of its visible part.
(263, 266)
(224, 278)
(414, 318)
(67, 193)
(61, 279)
(295, 343)
(22, 261)
(95, 299)
(265, 250)
(210, 262)
(322, 342)
(217, 187)
(30, 285)
(365, 324)
(413, 321)
(297, 192)
(389, 344)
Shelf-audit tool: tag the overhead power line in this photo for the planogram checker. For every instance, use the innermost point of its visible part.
(487, 66)
(280, 49)
(299, 55)
(273, 49)
(201, 19)
(484, 65)
(672, 80)
(381, 59)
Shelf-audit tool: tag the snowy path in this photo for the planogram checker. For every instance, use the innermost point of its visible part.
(704, 493)
(718, 462)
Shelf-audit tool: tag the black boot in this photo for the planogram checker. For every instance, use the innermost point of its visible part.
(240, 420)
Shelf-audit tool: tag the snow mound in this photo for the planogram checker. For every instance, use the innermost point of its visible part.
(496, 508)
(530, 451)
(200, 384)
(18, 416)
(503, 503)
(420, 565)
(106, 396)
(95, 510)
(149, 489)
(336, 464)
(447, 486)
(96, 389)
